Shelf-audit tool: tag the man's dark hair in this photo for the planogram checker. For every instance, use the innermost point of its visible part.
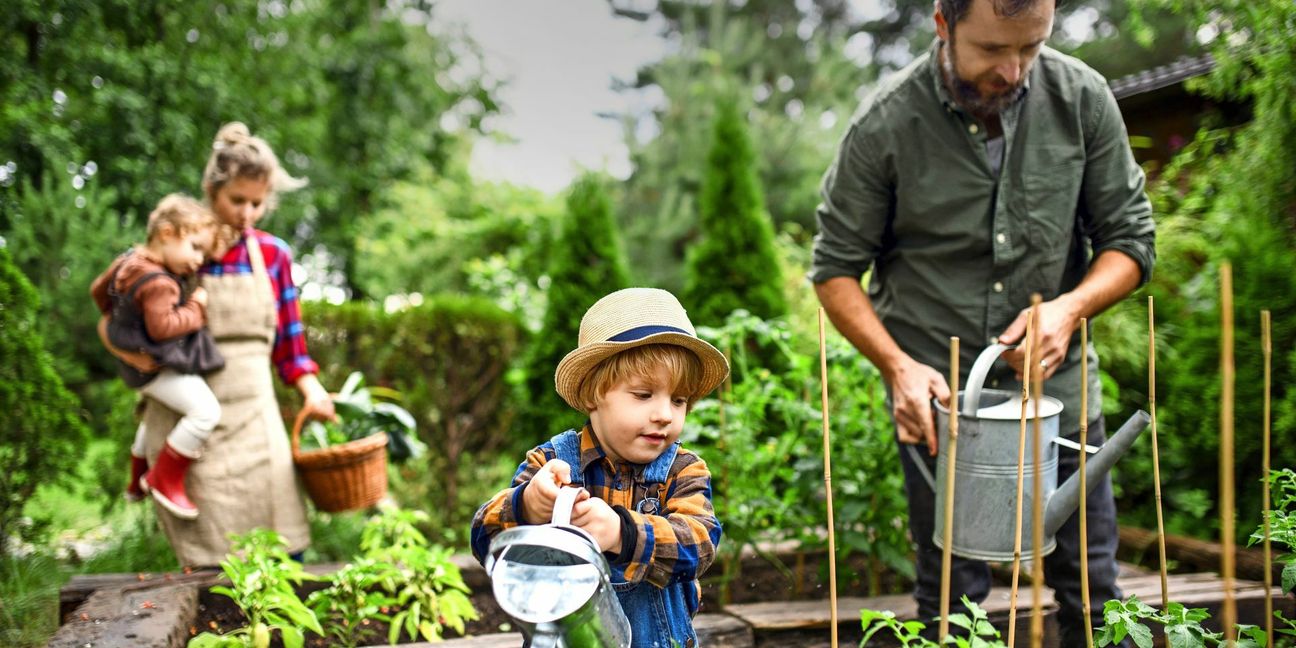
(956, 10)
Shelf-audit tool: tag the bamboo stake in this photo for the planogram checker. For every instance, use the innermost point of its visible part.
(832, 546)
(1037, 502)
(1084, 489)
(1226, 452)
(947, 556)
(1156, 455)
(1027, 342)
(1266, 345)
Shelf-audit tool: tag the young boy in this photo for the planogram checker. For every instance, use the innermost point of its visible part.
(637, 369)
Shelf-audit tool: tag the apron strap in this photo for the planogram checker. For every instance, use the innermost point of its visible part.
(257, 261)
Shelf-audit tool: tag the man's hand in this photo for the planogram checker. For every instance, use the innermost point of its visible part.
(594, 515)
(538, 498)
(1057, 321)
(913, 385)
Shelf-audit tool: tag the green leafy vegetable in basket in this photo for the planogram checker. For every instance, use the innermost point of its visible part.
(364, 411)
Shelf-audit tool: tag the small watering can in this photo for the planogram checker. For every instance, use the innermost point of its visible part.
(986, 470)
(555, 583)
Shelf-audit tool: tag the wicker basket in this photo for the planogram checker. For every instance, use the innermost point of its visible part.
(344, 477)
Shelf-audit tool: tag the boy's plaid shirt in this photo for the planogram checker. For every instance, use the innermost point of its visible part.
(289, 354)
(676, 546)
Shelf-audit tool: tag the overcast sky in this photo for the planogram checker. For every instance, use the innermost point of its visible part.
(559, 58)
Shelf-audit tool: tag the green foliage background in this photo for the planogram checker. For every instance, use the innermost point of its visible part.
(733, 266)
(586, 262)
(41, 436)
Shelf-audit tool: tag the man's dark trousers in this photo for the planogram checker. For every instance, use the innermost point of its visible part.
(1061, 568)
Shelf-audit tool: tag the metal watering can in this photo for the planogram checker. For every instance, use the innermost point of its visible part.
(555, 583)
(986, 471)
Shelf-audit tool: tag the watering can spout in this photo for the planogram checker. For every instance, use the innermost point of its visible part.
(1066, 499)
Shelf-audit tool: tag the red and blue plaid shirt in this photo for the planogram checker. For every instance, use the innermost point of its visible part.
(289, 353)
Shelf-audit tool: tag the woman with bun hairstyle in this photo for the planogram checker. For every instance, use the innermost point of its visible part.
(245, 477)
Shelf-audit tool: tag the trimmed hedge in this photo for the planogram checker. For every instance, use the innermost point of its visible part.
(448, 356)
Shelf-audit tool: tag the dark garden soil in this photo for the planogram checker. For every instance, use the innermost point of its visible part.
(800, 577)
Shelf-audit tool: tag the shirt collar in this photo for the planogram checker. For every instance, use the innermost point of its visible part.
(938, 78)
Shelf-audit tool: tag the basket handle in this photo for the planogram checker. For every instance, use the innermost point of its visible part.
(298, 423)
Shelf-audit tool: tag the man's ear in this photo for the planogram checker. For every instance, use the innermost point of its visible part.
(942, 27)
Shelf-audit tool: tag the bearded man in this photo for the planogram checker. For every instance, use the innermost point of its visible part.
(991, 168)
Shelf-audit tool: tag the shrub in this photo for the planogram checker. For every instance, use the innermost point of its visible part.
(448, 356)
(1229, 197)
(763, 442)
(41, 436)
(587, 263)
(734, 265)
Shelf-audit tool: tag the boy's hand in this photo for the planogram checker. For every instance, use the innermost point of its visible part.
(538, 498)
(199, 295)
(594, 515)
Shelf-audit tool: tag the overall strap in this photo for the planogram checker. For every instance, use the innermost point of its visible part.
(657, 471)
(654, 479)
(567, 447)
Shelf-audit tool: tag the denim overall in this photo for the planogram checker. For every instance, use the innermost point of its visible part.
(656, 615)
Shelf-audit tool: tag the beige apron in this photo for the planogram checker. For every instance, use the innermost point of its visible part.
(245, 476)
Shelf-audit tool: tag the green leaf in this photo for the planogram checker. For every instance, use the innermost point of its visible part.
(292, 637)
(1141, 635)
(1289, 577)
(353, 382)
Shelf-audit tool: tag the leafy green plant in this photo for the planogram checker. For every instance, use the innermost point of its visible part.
(353, 600)
(1282, 522)
(362, 412)
(1182, 626)
(263, 576)
(762, 438)
(980, 634)
(419, 579)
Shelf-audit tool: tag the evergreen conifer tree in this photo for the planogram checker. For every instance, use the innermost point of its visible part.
(734, 265)
(588, 262)
(41, 435)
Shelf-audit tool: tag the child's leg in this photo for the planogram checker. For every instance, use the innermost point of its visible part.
(138, 449)
(190, 396)
(139, 465)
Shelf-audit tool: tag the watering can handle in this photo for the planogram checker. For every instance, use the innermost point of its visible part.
(976, 377)
(563, 504)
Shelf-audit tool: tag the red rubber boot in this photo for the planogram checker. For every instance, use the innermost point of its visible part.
(166, 482)
(135, 492)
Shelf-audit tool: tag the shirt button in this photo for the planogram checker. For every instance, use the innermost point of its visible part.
(973, 129)
(998, 286)
(1001, 237)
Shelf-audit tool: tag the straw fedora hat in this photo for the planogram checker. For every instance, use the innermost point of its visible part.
(631, 318)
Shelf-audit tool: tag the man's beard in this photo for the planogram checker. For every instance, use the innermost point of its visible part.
(966, 93)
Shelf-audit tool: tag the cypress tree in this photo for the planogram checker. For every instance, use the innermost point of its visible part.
(734, 265)
(588, 263)
(41, 435)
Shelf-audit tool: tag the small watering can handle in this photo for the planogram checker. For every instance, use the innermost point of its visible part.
(976, 377)
(563, 504)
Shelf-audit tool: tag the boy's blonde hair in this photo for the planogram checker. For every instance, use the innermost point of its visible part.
(643, 362)
(183, 214)
(236, 153)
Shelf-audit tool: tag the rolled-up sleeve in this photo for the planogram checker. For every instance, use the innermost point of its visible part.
(856, 206)
(1118, 212)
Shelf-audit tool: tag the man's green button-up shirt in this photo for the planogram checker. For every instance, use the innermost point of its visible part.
(956, 249)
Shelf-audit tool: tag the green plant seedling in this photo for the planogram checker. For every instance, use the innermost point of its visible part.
(263, 577)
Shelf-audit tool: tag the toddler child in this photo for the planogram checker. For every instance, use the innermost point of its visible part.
(142, 293)
(637, 369)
